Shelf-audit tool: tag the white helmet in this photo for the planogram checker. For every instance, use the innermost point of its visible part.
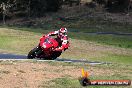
(63, 31)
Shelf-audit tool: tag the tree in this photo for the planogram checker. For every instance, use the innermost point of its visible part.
(39, 7)
(54, 5)
(114, 5)
(5, 5)
(28, 7)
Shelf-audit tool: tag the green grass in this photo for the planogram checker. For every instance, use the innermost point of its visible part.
(114, 58)
(21, 41)
(118, 59)
(118, 72)
(113, 40)
(17, 41)
(74, 83)
(63, 83)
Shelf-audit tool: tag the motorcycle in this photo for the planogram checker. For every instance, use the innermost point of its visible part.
(45, 49)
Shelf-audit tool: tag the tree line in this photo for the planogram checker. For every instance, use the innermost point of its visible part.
(115, 5)
(28, 8)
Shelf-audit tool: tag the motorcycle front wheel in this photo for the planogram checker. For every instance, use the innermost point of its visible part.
(32, 54)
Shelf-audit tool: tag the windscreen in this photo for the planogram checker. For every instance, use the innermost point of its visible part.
(47, 40)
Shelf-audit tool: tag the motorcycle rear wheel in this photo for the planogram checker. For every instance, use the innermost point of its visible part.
(55, 55)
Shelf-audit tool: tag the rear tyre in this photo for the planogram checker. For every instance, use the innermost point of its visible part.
(55, 55)
(32, 54)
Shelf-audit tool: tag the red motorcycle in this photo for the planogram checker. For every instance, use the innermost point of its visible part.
(45, 49)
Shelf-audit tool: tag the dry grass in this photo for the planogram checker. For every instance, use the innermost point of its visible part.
(87, 50)
(23, 75)
(32, 75)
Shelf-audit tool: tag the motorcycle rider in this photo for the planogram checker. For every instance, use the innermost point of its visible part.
(61, 38)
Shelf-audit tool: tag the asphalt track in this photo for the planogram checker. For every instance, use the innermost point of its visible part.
(24, 57)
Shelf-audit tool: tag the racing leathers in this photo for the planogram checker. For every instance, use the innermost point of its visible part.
(62, 39)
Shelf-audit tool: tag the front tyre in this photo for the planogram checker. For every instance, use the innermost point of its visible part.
(54, 55)
(31, 54)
